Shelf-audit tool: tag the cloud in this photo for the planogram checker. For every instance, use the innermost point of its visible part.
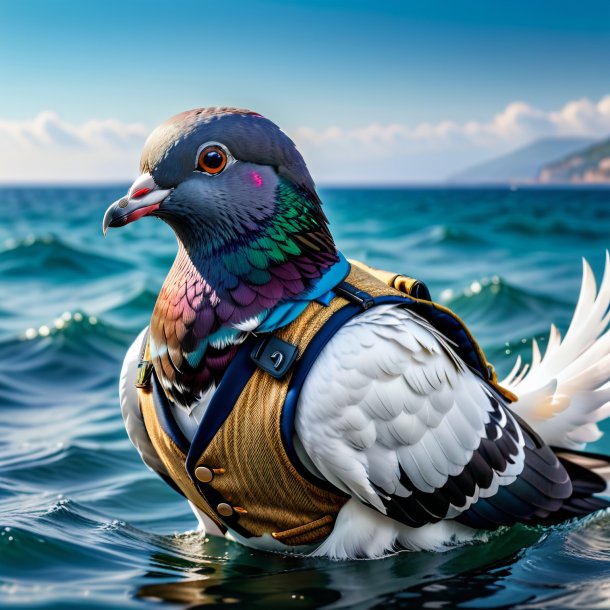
(430, 151)
(50, 149)
(49, 130)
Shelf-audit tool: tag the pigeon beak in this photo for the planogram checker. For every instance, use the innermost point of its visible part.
(143, 198)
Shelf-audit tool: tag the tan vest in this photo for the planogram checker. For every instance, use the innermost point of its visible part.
(244, 478)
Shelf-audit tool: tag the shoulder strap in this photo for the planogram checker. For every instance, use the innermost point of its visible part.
(403, 283)
(225, 396)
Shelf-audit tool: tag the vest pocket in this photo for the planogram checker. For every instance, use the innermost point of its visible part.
(311, 532)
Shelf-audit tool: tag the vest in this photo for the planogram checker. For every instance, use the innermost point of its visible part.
(242, 469)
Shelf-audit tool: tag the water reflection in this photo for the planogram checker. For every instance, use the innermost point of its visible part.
(258, 580)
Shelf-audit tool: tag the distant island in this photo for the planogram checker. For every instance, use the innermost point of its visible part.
(568, 160)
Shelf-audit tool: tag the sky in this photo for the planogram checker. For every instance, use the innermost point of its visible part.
(372, 92)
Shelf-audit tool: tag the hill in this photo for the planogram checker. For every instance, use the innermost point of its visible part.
(524, 164)
(588, 165)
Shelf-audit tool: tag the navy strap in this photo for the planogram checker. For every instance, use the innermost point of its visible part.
(233, 382)
(441, 320)
(241, 369)
(243, 365)
(165, 416)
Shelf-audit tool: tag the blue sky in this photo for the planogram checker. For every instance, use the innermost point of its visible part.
(336, 75)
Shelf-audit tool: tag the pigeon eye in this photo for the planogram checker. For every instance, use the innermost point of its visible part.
(212, 160)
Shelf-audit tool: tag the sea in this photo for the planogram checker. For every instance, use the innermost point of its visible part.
(84, 524)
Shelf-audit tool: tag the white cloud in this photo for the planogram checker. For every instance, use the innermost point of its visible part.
(396, 152)
(50, 149)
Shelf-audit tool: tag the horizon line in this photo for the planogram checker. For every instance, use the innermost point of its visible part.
(447, 184)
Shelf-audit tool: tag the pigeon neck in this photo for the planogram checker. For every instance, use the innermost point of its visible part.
(208, 305)
(244, 279)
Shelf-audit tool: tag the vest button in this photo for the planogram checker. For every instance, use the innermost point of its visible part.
(224, 509)
(204, 474)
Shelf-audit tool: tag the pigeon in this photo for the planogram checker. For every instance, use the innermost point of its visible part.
(427, 455)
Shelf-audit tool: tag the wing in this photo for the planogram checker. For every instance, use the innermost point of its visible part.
(564, 394)
(390, 415)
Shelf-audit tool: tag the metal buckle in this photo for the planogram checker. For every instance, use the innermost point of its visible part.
(144, 372)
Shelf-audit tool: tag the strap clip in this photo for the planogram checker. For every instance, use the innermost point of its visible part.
(144, 372)
(349, 293)
(274, 355)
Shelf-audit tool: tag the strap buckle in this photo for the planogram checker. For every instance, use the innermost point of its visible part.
(274, 355)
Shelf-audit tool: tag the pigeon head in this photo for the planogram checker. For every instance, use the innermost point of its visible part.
(251, 232)
(213, 175)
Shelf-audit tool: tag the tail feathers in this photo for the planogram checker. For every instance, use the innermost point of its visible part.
(555, 485)
(590, 472)
(590, 475)
(565, 393)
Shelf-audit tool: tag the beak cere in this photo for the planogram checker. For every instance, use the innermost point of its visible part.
(143, 198)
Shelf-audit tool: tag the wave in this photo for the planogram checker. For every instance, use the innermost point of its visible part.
(60, 534)
(496, 300)
(69, 466)
(78, 348)
(550, 227)
(445, 235)
(51, 259)
(505, 318)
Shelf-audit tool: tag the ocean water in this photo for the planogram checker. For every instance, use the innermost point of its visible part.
(83, 524)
